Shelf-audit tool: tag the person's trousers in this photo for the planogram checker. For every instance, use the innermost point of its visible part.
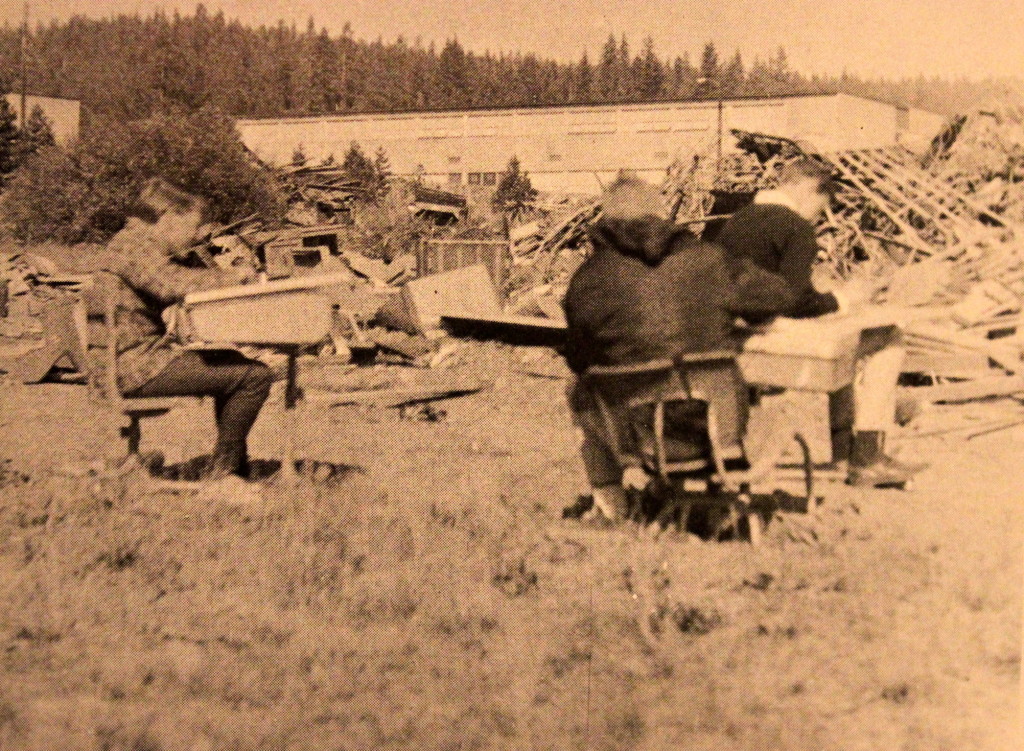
(880, 357)
(869, 403)
(599, 462)
(239, 387)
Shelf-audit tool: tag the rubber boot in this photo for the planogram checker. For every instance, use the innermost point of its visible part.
(611, 502)
(871, 467)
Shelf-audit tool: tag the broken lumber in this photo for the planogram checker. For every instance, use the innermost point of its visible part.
(393, 397)
(964, 391)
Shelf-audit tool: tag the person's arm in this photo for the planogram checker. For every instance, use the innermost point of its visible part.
(798, 249)
(140, 254)
(756, 294)
(159, 279)
(576, 350)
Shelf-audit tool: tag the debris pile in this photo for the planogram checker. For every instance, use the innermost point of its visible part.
(933, 233)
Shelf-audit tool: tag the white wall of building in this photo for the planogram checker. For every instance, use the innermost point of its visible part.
(571, 148)
(64, 114)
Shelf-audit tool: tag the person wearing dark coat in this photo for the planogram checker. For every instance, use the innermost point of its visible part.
(776, 232)
(650, 290)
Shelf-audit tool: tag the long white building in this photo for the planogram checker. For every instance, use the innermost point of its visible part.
(579, 147)
(65, 115)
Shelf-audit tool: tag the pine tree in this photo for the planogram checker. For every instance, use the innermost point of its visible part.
(708, 83)
(626, 85)
(358, 165)
(733, 76)
(652, 75)
(452, 75)
(779, 66)
(38, 133)
(584, 83)
(608, 70)
(381, 173)
(9, 136)
(515, 194)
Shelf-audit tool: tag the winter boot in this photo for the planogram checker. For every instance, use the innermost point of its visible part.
(871, 467)
(611, 502)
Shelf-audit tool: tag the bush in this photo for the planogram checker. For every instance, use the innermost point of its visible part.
(85, 194)
(372, 174)
(47, 199)
(515, 193)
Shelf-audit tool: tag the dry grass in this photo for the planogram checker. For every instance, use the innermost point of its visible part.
(435, 600)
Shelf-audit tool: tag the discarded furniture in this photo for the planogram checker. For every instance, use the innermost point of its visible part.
(286, 315)
(683, 421)
(466, 301)
(436, 255)
(67, 340)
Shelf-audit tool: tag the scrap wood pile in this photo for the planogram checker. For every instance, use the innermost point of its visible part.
(320, 194)
(30, 280)
(922, 242)
(982, 155)
(546, 250)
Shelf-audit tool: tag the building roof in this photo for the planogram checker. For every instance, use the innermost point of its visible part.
(568, 106)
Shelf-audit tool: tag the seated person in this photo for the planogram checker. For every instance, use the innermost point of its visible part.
(650, 290)
(151, 362)
(776, 232)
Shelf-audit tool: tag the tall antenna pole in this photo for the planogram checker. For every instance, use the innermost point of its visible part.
(24, 65)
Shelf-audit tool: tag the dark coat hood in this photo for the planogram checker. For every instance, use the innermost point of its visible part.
(648, 239)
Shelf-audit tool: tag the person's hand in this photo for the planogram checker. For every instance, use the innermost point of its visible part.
(854, 293)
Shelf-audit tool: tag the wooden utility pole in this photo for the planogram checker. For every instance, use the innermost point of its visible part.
(24, 67)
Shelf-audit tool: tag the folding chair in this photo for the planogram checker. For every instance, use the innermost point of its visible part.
(684, 420)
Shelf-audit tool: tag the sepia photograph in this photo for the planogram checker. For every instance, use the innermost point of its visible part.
(511, 375)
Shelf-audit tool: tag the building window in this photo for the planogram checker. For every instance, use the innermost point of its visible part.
(474, 178)
(455, 178)
(555, 157)
(490, 178)
(454, 159)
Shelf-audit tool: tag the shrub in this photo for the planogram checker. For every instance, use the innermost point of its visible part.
(515, 193)
(373, 173)
(85, 194)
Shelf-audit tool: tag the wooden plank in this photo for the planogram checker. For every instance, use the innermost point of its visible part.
(916, 197)
(881, 203)
(1008, 357)
(979, 388)
(394, 397)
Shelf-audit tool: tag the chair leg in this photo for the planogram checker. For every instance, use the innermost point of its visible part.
(133, 433)
(755, 528)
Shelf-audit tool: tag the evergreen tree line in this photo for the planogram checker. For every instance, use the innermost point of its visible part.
(131, 67)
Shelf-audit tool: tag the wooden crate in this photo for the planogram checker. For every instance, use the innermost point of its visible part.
(437, 256)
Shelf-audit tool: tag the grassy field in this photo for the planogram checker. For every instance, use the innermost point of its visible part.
(430, 596)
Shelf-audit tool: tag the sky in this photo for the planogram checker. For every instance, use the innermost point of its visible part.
(891, 38)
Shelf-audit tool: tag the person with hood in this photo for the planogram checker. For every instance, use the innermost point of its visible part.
(650, 290)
